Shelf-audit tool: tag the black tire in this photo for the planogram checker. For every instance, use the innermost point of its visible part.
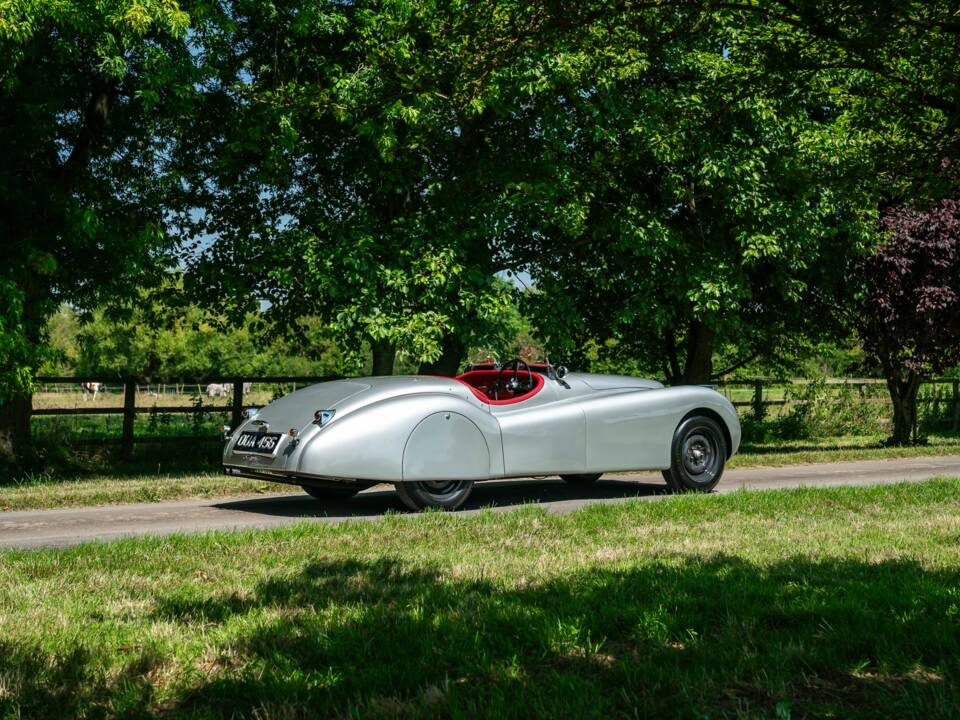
(329, 492)
(581, 479)
(445, 494)
(697, 455)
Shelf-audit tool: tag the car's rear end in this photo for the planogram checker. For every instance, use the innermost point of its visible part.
(268, 442)
(339, 431)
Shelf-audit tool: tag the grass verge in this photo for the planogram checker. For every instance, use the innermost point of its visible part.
(839, 449)
(839, 602)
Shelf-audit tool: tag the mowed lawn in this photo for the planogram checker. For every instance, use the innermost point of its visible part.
(804, 603)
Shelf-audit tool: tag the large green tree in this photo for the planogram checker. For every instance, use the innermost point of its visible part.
(895, 65)
(373, 163)
(703, 207)
(88, 95)
(343, 172)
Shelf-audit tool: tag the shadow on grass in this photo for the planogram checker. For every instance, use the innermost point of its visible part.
(685, 637)
(504, 494)
(771, 447)
(55, 463)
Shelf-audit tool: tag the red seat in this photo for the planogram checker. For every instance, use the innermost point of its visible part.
(481, 383)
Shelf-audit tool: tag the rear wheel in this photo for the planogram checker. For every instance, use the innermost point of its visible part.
(331, 492)
(446, 494)
(581, 479)
(697, 455)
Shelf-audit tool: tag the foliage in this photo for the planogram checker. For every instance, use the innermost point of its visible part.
(17, 355)
(352, 180)
(816, 409)
(711, 211)
(896, 66)
(158, 341)
(89, 97)
(911, 310)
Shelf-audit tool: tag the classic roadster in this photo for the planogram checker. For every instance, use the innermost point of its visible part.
(434, 437)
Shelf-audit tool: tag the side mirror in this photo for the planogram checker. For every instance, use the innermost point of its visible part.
(561, 371)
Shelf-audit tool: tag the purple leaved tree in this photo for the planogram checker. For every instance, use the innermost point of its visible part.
(911, 320)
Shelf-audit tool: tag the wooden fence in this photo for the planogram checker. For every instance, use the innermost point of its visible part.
(759, 402)
(756, 391)
(131, 391)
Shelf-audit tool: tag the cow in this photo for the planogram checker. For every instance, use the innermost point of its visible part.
(91, 388)
(224, 389)
(218, 390)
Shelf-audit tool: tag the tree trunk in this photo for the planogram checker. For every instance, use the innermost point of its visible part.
(448, 364)
(699, 365)
(16, 412)
(671, 362)
(903, 396)
(15, 424)
(384, 355)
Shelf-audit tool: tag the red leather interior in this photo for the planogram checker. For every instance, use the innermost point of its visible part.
(481, 383)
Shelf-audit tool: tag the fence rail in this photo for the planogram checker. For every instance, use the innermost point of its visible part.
(131, 389)
(757, 389)
(759, 402)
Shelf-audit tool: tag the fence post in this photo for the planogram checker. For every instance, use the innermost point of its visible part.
(129, 415)
(956, 405)
(236, 413)
(759, 411)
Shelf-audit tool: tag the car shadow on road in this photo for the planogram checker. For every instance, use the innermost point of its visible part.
(497, 494)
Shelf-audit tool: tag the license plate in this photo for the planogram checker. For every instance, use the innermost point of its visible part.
(259, 443)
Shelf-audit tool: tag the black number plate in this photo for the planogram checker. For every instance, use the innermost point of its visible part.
(257, 442)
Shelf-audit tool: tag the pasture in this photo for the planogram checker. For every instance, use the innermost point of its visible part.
(806, 603)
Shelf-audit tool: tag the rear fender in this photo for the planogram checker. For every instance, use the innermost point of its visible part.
(370, 442)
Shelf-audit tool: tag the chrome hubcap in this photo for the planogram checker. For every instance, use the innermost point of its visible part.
(698, 454)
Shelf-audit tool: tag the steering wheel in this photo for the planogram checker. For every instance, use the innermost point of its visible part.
(513, 383)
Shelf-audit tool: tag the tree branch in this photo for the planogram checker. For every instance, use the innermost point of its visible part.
(95, 118)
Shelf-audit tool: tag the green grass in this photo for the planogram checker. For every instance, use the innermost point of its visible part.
(837, 603)
(840, 449)
(180, 473)
(46, 492)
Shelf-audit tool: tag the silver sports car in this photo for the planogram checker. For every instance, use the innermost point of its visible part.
(434, 437)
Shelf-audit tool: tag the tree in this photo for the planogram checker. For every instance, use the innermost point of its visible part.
(702, 209)
(344, 177)
(897, 65)
(88, 94)
(376, 165)
(911, 308)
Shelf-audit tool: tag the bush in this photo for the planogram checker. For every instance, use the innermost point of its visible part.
(817, 409)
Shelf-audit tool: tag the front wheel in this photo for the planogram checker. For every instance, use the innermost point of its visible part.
(697, 455)
(581, 479)
(446, 494)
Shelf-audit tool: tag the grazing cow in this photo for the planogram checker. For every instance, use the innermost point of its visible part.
(218, 390)
(91, 388)
(247, 387)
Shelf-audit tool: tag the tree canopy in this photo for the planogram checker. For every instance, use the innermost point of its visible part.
(681, 181)
(89, 98)
(911, 308)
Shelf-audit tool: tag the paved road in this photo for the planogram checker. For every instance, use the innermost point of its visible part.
(61, 528)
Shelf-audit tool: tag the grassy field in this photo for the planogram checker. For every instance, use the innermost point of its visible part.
(180, 473)
(806, 603)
